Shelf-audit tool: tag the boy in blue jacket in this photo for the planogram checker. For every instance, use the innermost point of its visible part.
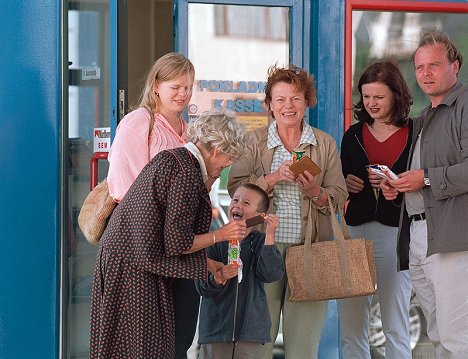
(234, 317)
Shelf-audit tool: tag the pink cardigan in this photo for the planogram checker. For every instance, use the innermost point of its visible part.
(130, 150)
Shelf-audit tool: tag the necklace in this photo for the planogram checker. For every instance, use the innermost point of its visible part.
(177, 127)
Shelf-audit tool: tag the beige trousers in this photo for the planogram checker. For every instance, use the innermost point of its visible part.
(441, 285)
(302, 322)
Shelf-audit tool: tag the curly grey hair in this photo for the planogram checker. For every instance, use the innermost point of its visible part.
(220, 129)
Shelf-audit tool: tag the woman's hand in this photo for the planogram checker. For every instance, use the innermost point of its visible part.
(389, 192)
(232, 231)
(283, 173)
(354, 184)
(374, 179)
(225, 273)
(308, 184)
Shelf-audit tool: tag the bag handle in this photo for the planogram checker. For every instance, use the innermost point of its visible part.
(342, 233)
(309, 235)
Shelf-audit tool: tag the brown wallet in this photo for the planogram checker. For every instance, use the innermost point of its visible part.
(305, 164)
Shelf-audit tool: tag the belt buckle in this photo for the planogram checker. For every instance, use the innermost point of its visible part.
(418, 216)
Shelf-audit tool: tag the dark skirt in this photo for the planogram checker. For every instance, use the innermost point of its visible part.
(132, 311)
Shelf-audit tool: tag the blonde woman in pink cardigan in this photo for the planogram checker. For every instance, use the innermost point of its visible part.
(167, 92)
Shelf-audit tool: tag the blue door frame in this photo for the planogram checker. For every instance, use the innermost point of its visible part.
(30, 184)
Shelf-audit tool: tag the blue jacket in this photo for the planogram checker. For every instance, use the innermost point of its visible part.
(261, 264)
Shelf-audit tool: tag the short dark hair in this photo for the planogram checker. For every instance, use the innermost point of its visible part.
(388, 73)
(264, 199)
(436, 37)
(294, 75)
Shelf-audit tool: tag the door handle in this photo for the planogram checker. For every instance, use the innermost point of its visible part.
(121, 104)
(93, 172)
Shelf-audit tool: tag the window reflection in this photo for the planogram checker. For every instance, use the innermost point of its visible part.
(231, 51)
(381, 35)
(243, 21)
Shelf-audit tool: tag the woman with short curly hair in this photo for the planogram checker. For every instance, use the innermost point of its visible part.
(288, 94)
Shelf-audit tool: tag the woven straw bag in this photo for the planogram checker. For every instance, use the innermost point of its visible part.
(95, 212)
(342, 268)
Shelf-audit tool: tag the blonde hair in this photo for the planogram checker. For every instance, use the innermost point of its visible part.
(166, 68)
(220, 129)
(436, 37)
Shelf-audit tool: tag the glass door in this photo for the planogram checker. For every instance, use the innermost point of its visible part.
(111, 46)
(91, 112)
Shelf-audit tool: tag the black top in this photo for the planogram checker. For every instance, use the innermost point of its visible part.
(364, 207)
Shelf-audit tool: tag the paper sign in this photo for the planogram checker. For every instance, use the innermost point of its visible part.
(102, 139)
(92, 73)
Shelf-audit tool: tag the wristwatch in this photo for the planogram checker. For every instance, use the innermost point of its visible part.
(316, 198)
(427, 182)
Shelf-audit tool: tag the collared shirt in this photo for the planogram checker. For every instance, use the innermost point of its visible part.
(287, 195)
(196, 152)
(414, 200)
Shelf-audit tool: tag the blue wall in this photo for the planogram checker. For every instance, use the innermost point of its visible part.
(30, 121)
(327, 64)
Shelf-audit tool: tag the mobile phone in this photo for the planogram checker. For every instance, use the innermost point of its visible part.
(382, 171)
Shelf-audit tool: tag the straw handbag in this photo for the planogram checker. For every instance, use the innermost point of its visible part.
(95, 212)
(342, 268)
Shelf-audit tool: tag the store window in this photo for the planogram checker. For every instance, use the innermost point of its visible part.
(374, 35)
(232, 52)
(232, 49)
(395, 35)
(266, 24)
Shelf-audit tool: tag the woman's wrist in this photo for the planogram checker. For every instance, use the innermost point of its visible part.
(316, 194)
(272, 179)
(217, 235)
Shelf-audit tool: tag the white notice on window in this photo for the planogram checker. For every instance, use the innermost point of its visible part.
(93, 73)
(102, 139)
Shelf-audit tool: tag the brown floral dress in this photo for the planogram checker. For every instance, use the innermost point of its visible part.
(132, 314)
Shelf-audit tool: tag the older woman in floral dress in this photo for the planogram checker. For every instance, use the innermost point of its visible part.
(158, 232)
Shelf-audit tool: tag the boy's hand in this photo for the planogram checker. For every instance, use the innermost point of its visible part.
(272, 222)
(409, 181)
